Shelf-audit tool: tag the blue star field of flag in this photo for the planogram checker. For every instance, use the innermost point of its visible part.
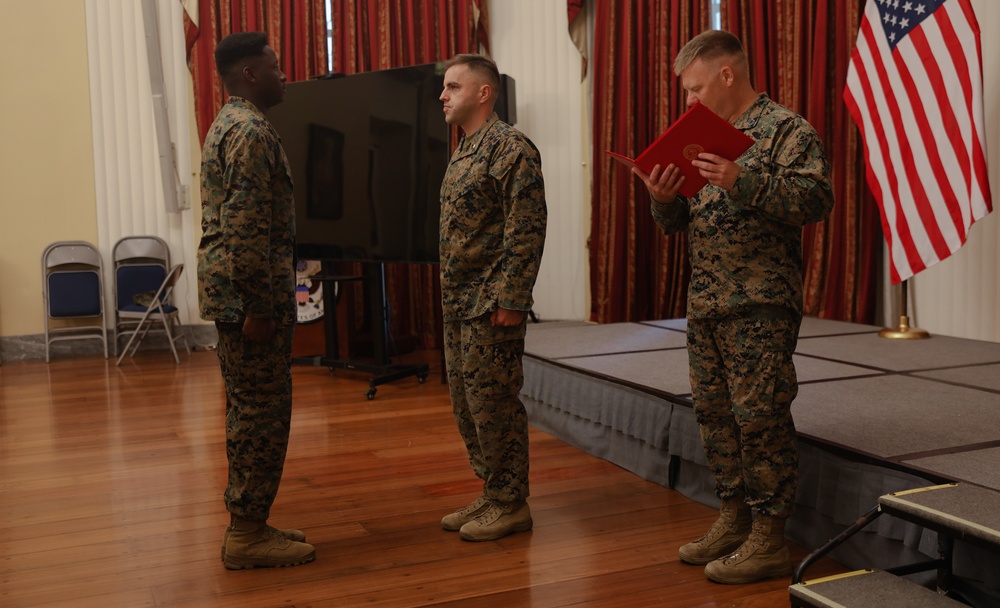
(901, 16)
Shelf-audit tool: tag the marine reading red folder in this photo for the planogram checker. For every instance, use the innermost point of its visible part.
(697, 130)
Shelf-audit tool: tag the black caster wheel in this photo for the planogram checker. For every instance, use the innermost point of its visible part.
(421, 378)
(370, 394)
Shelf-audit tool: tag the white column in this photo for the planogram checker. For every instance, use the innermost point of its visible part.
(129, 188)
(530, 42)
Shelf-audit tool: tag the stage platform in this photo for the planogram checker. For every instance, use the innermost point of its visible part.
(873, 416)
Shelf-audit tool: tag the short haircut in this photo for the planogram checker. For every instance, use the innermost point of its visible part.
(710, 45)
(482, 66)
(234, 48)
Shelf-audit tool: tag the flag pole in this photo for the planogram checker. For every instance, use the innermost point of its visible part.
(903, 331)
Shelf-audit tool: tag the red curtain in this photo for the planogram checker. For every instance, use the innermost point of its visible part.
(382, 34)
(635, 272)
(799, 52)
(296, 30)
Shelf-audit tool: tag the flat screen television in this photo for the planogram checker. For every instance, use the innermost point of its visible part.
(368, 153)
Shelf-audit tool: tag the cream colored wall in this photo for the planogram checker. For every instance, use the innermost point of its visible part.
(46, 149)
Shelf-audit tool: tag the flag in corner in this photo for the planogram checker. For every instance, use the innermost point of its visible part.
(915, 90)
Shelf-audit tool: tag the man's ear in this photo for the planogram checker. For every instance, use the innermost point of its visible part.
(728, 76)
(485, 92)
(248, 73)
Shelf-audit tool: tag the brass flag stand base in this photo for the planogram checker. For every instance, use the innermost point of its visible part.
(904, 331)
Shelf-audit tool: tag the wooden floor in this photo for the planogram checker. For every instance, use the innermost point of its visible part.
(111, 486)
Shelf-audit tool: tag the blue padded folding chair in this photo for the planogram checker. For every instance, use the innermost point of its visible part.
(72, 290)
(159, 310)
(140, 265)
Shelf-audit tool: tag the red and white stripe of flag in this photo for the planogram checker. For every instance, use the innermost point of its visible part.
(920, 111)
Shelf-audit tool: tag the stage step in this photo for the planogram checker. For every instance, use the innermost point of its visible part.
(955, 511)
(962, 511)
(865, 589)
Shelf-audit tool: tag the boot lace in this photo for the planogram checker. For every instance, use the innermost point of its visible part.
(473, 507)
(490, 515)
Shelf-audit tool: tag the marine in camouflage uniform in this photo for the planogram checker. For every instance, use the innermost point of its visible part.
(246, 268)
(493, 217)
(246, 281)
(745, 303)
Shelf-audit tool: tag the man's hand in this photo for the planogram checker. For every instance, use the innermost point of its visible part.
(261, 331)
(717, 170)
(506, 317)
(662, 184)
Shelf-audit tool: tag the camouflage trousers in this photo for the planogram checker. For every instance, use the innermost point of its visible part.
(743, 383)
(485, 377)
(258, 380)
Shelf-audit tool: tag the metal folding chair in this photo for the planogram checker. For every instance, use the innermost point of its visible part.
(140, 265)
(73, 289)
(159, 310)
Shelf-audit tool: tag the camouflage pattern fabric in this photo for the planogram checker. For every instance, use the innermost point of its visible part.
(258, 381)
(246, 269)
(743, 382)
(493, 219)
(745, 246)
(485, 377)
(246, 255)
(492, 222)
(745, 302)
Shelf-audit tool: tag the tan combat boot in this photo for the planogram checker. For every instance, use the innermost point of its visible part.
(254, 544)
(498, 520)
(295, 535)
(763, 555)
(453, 522)
(726, 534)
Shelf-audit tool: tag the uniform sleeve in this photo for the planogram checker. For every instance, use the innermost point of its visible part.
(246, 220)
(518, 169)
(796, 189)
(670, 217)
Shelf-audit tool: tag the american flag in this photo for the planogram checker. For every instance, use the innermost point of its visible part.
(915, 89)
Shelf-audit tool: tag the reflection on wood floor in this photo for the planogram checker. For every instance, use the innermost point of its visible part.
(111, 484)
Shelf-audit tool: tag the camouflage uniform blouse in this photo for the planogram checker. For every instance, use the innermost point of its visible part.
(492, 222)
(745, 246)
(245, 259)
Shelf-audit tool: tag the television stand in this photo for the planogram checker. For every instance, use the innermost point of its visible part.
(382, 369)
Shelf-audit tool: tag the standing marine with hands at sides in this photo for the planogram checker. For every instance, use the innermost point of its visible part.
(744, 303)
(246, 283)
(493, 219)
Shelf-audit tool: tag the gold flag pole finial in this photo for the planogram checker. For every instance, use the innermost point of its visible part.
(903, 331)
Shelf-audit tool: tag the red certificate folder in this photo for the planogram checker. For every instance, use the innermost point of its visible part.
(697, 130)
